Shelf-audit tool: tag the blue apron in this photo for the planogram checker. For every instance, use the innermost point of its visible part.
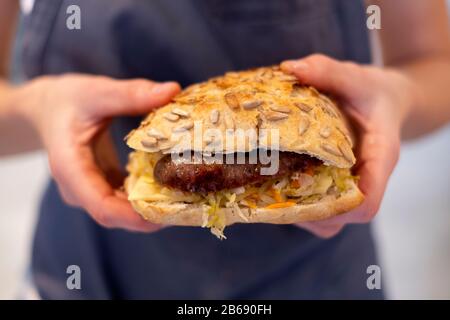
(190, 41)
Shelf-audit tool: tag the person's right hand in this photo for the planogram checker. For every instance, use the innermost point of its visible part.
(70, 112)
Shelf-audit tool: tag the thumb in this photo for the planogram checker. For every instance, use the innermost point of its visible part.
(324, 73)
(134, 97)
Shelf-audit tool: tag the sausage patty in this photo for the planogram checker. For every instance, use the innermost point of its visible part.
(212, 177)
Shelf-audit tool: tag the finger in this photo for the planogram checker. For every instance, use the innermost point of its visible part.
(132, 97)
(76, 174)
(325, 74)
(323, 229)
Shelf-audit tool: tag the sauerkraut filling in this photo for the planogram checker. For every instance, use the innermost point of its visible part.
(308, 187)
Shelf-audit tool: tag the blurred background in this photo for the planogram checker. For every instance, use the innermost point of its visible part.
(412, 227)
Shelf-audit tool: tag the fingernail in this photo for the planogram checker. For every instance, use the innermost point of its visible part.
(145, 92)
(164, 87)
(294, 66)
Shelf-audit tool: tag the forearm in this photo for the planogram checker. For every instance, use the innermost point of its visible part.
(16, 132)
(415, 39)
(430, 108)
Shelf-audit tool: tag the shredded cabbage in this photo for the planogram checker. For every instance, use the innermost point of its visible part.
(216, 218)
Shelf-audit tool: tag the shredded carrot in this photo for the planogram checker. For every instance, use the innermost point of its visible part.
(276, 195)
(309, 170)
(252, 198)
(249, 203)
(281, 205)
(295, 183)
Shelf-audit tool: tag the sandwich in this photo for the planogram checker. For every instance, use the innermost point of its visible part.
(253, 146)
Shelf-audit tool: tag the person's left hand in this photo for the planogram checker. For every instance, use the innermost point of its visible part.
(377, 100)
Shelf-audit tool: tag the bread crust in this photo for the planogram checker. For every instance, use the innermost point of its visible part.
(185, 214)
(308, 121)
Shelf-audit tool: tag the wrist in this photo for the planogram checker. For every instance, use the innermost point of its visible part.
(6, 104)
(11, 106)
(27, 100)
(15, 122)
(408, 93)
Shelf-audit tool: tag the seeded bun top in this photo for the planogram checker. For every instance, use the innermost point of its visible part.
(264, 98)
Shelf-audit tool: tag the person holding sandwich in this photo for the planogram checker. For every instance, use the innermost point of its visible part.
(87, 88)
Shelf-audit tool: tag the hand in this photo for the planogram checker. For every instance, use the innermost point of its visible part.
(71, 113)
(377, 100)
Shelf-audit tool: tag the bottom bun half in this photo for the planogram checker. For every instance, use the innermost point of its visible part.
(189, 214)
